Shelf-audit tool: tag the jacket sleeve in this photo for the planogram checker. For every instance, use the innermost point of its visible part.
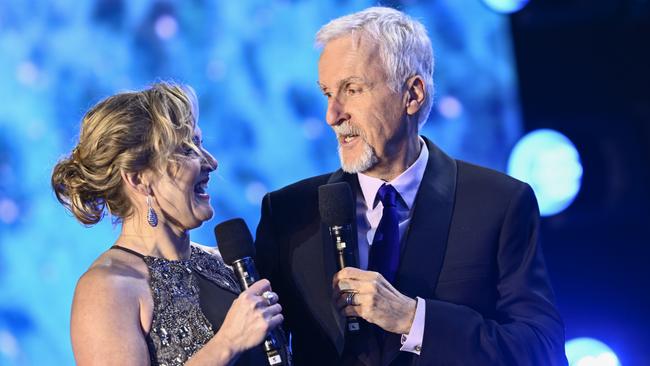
(266, 250)
(527, 329)
(267, 261)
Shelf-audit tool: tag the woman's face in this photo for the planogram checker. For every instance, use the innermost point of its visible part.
(181, 193)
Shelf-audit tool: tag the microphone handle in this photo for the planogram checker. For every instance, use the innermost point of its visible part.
(345, 257)
(246, 273)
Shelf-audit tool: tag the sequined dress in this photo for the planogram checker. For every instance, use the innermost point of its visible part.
(190, 300)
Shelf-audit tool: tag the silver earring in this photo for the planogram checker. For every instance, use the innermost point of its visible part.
(152, 217)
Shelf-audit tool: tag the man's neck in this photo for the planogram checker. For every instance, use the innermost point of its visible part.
(399, 160)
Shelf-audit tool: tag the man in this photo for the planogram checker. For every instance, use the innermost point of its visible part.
(450, 271)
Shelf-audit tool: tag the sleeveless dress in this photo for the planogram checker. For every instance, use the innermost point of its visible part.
(190, 300)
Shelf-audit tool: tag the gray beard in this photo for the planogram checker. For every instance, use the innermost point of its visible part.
(365, 161)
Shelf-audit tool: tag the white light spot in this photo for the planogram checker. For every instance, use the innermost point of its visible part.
(313, 128)
(450, 107)
(590, 352)
(255, 191)
(548, 161)
(166, 27)
(506, 6)
(8, 211)
(27, 73)
(8, 344)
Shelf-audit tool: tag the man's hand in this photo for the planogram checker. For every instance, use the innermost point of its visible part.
(376, 300)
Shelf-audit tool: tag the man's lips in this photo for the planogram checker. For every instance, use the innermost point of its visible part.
(347, 139)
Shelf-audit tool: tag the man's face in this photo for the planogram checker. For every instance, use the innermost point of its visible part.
(369, 119)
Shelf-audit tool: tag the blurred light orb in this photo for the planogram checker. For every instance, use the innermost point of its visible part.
(8, 344)
(255, 191)
(166, 27)
(27, 73)
(9, 211)
(590, 352)
(550, 163)
(506, 6)
(450, 107)
(313, 128)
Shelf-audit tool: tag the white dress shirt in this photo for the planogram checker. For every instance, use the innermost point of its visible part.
(369, 212)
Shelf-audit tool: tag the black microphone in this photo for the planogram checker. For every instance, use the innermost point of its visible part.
(235, 243)
(336, 208)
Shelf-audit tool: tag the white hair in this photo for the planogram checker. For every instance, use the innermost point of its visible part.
(404, 46)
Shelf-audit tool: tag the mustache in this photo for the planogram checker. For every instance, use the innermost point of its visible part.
(346, 129)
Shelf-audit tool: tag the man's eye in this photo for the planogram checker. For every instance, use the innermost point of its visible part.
(352, 91)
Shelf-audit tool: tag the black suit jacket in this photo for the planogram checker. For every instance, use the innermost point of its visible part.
(471, 252)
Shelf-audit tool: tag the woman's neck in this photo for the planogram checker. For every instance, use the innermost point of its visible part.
(160, 241)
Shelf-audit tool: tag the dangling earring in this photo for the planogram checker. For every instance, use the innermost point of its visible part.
(152, 217)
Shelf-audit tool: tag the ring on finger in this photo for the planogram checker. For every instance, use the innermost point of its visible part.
(269, 297)
(349, 299)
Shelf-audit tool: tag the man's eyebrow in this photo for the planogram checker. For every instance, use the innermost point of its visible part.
(343, 82)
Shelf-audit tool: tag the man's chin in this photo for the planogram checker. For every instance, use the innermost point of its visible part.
(355, 166)
(358, 161)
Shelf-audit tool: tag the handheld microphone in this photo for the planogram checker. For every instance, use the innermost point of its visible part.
(236, 246)
(337, 212)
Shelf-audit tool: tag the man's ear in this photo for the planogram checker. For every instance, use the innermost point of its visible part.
(415, 94)
(137, 182)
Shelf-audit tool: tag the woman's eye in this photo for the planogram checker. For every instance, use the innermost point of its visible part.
(189, 150)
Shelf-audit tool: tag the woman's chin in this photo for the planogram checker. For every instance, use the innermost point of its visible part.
(205, 215)
(200, 216)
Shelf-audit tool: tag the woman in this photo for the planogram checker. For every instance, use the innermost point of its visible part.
(154, 297)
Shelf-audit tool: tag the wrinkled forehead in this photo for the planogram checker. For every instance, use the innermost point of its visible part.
(356, 44)
(346, 56)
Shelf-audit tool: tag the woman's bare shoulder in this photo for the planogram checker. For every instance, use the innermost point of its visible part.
(115, 269)
(107, 309)
(113, 278)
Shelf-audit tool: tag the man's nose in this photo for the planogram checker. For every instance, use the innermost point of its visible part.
(336, 113)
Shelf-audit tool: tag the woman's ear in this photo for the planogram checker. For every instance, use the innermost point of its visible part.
(137, 182)
(415, 94)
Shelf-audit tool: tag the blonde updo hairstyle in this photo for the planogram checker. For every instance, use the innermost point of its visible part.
(127, 132)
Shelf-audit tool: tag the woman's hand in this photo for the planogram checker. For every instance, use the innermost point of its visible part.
(251, 317)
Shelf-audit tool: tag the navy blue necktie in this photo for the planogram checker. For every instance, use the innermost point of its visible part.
(384, 254)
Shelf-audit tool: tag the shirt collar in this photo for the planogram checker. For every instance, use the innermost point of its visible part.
(406, 184)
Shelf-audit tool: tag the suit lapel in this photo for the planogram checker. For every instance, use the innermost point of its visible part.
(421, 257)
(314, 267)
(426, 239)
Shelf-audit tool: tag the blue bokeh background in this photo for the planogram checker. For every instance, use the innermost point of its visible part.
(254, 68)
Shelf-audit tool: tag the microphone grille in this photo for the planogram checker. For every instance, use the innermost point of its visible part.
(234, 240)
(335, 204)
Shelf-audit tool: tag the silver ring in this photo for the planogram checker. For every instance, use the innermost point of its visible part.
(269, 297)
(349, 299)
